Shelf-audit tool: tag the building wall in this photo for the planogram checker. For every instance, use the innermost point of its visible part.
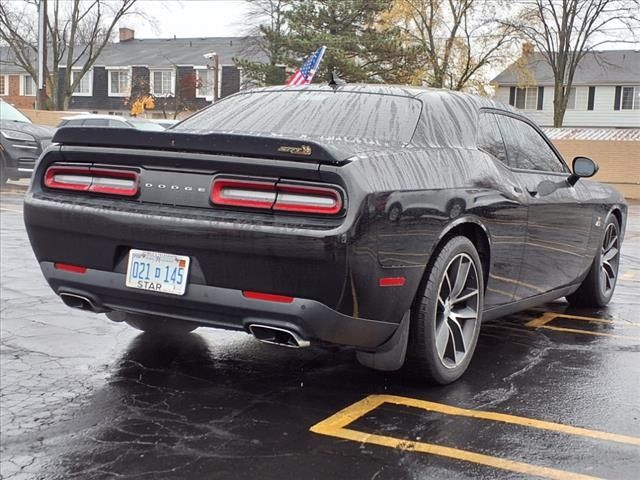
(14, 97)
(602, 115)
(619, 161)
(229, 80)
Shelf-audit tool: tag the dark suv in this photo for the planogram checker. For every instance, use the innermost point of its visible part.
(21, 143)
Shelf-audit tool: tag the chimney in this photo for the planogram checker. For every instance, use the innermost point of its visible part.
(126, 34)
(527, 49)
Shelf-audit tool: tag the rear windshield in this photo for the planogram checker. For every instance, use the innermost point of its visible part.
(384, 118)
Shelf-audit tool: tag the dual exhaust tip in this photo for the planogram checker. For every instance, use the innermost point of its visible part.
(264, 333)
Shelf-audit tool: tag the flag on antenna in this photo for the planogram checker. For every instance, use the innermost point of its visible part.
(304, 74)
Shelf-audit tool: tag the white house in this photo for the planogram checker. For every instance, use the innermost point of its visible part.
(605, 91)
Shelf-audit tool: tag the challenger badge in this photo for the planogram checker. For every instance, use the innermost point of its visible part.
(302, 150)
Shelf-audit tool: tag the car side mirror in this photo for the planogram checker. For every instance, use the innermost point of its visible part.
(583, 167)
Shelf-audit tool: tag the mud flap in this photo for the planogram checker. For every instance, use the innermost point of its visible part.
(390, 355)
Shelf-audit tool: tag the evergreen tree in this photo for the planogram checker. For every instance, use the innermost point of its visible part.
(360, 48)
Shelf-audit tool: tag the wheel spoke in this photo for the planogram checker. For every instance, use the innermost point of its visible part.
(612, 241)
(466, 313)
(610, 254)
(461, 277)
(458, 335)
(465, 296)
(442, 338)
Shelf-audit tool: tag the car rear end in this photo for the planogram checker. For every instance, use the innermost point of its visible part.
(226, 230)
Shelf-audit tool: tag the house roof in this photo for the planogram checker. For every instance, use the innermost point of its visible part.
(595, 68)
(163, 52)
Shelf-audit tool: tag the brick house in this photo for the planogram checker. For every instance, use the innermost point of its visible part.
(179, 72)
(605, 90)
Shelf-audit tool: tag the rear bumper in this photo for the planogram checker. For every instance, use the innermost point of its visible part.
(222, 308)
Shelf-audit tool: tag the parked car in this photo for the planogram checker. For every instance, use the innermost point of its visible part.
(21, 143)
(111, 121)
(268, 212)
(165, 122)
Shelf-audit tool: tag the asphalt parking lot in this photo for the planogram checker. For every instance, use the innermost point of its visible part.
(553, 392)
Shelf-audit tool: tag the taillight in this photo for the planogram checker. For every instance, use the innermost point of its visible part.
(90, 179)
(308, 199)
(281, 196)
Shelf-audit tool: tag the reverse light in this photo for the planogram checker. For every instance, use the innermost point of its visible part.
(280, 196)
(243, 193)
(89, 179)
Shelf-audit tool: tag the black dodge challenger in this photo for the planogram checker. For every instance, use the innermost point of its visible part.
(386, 219)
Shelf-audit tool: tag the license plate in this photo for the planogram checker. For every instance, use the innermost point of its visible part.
(157, 272)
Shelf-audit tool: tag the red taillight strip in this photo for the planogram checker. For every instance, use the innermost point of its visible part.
(268, 297)
(70, 268)
(220, 197)
(280, 196)
(89, 179)
(391, 281)
(54, 178)
(307, 199)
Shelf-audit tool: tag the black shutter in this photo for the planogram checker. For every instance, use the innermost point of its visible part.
(616, 101)
(512, 96)
(540, 97)
(592, 96)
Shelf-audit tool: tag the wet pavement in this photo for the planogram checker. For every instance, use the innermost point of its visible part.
(552, 392)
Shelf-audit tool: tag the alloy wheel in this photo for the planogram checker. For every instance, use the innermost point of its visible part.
(609, 259)
(457, 311)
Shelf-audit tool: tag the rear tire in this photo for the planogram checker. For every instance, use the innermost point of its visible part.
(154, 324)
(446, 317)
(598, 286)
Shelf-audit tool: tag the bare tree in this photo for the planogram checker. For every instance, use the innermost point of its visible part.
(454, 39)
(564, 31)
(77, 32)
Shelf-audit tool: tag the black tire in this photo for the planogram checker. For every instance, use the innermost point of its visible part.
(3, 170)
(598, 286)
(424, 360)
(154, 324)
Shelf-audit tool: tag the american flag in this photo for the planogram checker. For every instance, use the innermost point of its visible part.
(304, 74)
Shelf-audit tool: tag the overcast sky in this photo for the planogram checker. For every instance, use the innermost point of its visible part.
(192, 18)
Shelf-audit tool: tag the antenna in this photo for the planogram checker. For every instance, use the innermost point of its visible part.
(335, 81)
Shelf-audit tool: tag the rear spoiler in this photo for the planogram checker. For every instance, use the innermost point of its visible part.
(216, 143)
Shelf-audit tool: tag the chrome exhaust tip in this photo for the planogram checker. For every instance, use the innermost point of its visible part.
(278, 336)
(78, 301)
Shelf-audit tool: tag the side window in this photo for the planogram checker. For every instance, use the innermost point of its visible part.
(117, 124)
(489, 138)
(95, 122)
(526, 148)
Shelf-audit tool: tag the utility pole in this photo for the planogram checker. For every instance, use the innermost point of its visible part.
(41, 97)
(215, 65)
(216, 72)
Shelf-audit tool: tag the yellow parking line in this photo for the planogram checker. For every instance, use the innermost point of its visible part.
(335, 426)
(629, 275)
(543, 320)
